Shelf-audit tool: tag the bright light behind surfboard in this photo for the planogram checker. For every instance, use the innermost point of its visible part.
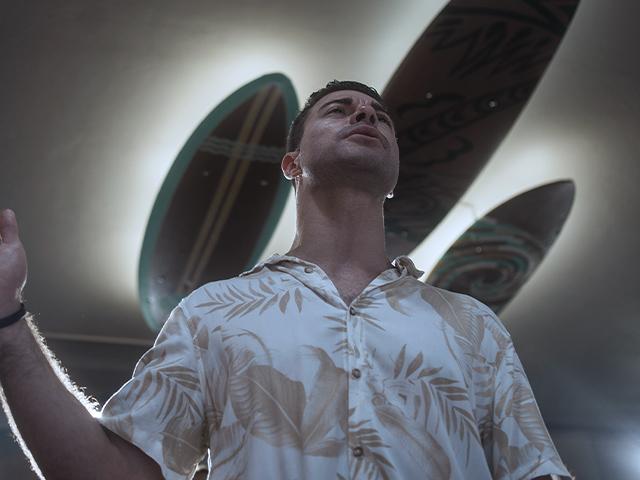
(189, 97)
(516, 167)
(203, 75)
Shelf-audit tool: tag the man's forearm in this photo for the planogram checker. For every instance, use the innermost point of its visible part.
(48, 413)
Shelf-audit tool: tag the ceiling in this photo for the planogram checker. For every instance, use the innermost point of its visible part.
(99, 97)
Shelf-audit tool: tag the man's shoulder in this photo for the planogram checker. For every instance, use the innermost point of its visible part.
(240, 288)
(461, 308)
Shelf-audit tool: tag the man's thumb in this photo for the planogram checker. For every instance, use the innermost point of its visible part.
(8, 226)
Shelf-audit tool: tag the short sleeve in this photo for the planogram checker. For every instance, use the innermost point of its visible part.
(160, 409)
(517, 443)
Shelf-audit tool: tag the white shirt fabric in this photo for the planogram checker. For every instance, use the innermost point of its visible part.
(280, 379)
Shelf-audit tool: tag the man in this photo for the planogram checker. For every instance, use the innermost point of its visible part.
(328, 362)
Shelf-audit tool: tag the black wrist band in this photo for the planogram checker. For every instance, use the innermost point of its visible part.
(11, 319)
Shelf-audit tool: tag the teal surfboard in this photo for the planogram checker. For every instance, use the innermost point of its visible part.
(221, 199)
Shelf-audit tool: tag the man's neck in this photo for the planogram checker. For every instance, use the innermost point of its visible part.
(342, 232)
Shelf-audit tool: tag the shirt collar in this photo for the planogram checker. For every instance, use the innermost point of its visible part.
(402, 263)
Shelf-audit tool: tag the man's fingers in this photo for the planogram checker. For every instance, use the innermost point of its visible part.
(8, 226)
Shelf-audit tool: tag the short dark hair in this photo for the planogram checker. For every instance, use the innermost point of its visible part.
(297, 126)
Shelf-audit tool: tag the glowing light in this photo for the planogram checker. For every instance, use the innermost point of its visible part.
(179, 93)
(431, 250)
(507, 175)
(188, 94)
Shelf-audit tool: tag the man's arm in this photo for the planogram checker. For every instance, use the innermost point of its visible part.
(49, 416)
(56, 428)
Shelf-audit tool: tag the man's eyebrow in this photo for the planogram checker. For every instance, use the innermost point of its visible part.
(348, 101)
(342, 101)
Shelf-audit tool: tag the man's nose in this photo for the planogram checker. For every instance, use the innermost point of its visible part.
(365, 113)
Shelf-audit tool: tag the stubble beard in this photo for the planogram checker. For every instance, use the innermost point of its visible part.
(373, 174)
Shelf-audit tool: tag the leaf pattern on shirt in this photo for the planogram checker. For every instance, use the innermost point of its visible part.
(396, 292)
(326, 405)
(173, 384)
(462, 318)
(238, 302)
(181, 439)
(471, 321)
(424, 387)
(364, 304)
(421, 446)
(373, 463)
(228, 450)
(516, 402)
(275, 404)
(238, 378)
(275, 408)
(339, 324)
(170, 381)
(123, 422)
(507, 398)
(510, 458)
(199, 333)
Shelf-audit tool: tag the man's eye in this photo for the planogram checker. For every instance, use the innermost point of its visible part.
(336, 109)
(385, 119)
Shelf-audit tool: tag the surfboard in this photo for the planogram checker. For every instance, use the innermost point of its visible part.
(455, 97)
(496, 256)
(221, 199)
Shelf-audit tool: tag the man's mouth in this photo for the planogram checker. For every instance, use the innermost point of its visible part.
(367, 131)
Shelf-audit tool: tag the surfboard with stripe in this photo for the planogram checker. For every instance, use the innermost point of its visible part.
(221, 199)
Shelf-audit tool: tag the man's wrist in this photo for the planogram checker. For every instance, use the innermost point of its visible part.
(9, 308)
(13, 318)
(9, 337)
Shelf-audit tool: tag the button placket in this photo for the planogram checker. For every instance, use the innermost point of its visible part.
(354, 384)
(356, 330)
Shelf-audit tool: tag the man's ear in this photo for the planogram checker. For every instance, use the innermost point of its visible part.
(290, 165)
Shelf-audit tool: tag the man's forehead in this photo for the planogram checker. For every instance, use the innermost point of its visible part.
(354, 95)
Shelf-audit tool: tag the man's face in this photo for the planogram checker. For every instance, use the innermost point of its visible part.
(349, 140)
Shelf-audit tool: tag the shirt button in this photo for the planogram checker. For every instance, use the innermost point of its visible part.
(357, 451)
(352, 311)
(356, 373)
(308, 269)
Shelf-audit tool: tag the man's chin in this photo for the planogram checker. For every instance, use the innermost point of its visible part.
(372, 158)
(359, 174)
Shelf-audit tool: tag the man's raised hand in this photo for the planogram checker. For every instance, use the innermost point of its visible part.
(13, 264)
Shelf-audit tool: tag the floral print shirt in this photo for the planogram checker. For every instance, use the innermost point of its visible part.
(275, 376)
